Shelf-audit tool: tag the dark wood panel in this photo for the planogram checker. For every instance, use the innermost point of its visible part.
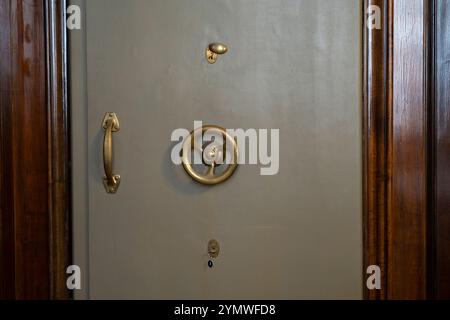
(441, 149)
(34, 160)
(407, 215)
(26, 104)
(7, 265)
(395, 145)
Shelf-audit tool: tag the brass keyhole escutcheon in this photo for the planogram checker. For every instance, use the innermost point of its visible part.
(213, 249)
(215, 156)
(214, 50)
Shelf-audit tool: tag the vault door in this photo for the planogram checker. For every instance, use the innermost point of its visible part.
(290, 65)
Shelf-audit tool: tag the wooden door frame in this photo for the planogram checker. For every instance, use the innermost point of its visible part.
(396, 104)
(35, 151)
(406, 149)
(439, 151)
(404, 200)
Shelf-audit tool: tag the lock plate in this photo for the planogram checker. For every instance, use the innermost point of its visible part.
(213, 249)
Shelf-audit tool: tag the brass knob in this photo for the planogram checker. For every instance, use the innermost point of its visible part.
(214, 50)
(213, 156)
(218, 48)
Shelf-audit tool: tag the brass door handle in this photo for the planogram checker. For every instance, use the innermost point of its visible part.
(110, 125)
(213, 156)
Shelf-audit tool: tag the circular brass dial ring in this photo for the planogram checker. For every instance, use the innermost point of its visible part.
(213, 156)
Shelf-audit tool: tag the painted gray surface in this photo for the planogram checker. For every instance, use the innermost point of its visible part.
(292, 65)
(80, 120)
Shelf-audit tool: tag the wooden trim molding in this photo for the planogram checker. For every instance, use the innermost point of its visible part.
(440, 151)
(58, 146)
(396, 104)
(34, 157)
(376, 119)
